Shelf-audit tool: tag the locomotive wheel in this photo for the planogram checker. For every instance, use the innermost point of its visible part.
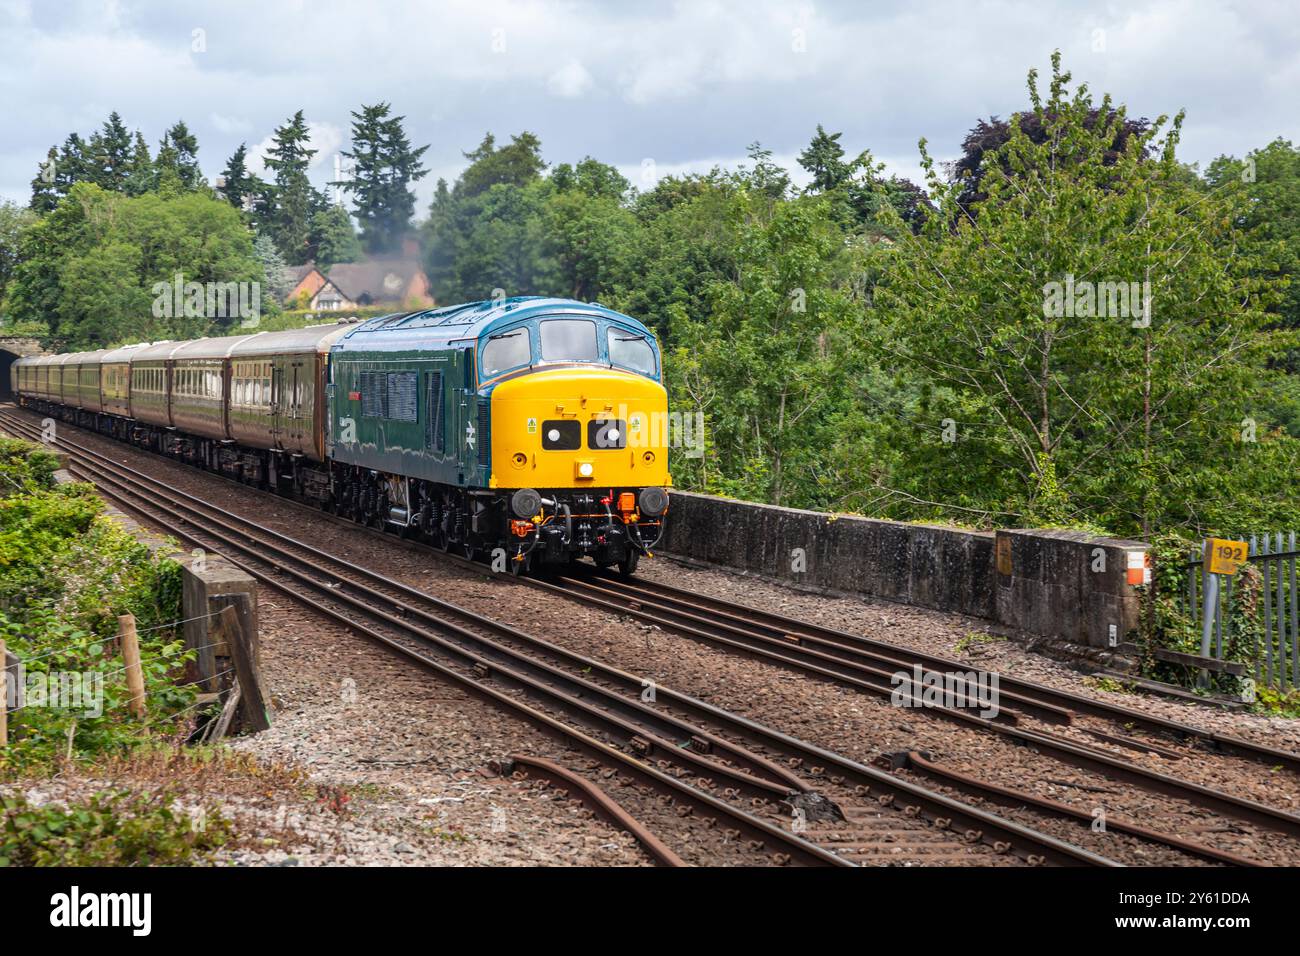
(627, 567)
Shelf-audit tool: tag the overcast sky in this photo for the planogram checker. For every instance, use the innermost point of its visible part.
(651, 87)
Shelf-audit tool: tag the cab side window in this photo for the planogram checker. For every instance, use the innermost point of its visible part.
(505, 351)
(631, 351)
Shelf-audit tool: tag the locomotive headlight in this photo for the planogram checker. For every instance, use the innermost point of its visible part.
(584, 469)
(553, 434)
(612, 435)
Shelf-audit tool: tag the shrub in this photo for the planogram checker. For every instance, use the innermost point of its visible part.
(111, 828)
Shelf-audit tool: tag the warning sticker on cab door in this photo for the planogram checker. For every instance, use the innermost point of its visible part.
(532, 426)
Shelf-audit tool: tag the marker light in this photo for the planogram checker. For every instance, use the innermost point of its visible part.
(612, 436)
(553, 434)
(585, 469)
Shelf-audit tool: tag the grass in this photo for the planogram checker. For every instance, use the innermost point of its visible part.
(974, 639)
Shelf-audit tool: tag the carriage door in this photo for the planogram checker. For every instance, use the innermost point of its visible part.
(460, 418)
(464, 427)
(277, 402)
(294, 400)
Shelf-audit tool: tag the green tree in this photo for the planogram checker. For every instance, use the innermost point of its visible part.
(334, 238)
(488, 232)
(177, 160)
(1052, 392)
(140, 176)
(89, 267)
(13, 220)
(503, 244)
(858, 191)
(440, 240)
(592, 178)
(45, 194)
(109, 154)
(685, 241)
(383, 167)
(589, 231)
(1270, 177)
(276, 276)
(101, 298)
(59, 171)
(766, 175)
(238, 185)
(772, 365)
(824, 161)
(292, 199)
(516, 164)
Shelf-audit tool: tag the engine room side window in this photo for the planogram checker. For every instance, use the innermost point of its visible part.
(506, 350)
(631, 351)
(374, 393)
(568, 340)
(402, 400)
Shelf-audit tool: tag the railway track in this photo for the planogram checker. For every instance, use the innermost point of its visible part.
(870, 666)
(700, 755)
(639, 599)
(860, 660)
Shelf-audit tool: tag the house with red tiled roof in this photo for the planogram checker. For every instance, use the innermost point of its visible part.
(379, 280)
(306, 278)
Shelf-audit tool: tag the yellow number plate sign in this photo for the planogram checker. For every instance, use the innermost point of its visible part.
(1223, 556)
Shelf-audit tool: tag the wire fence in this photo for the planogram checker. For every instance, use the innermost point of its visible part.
(1258, 626)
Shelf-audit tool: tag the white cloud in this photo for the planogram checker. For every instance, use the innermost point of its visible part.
(692, 82)
(569, 81)
(231, 125)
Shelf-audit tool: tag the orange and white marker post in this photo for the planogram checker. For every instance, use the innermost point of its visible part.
(1138, 570)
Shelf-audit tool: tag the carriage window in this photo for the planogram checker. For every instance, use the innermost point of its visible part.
(631, 351)
(506, 350)
(568, 340)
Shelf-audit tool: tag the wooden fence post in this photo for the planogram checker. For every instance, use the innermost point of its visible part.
(4, 695)
(235, 624)
(131, 658)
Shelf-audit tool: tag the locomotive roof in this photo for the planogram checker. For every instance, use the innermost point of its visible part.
(469, 321)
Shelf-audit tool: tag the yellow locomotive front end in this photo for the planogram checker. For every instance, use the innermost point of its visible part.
(586, 451)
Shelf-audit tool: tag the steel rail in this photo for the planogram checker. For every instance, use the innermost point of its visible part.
(1060, 748)
(596, 800)
(1066, 700)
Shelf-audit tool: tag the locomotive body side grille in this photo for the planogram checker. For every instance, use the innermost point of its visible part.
(484, 438)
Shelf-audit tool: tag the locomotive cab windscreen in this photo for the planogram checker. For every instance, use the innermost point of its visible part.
(569, 340)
